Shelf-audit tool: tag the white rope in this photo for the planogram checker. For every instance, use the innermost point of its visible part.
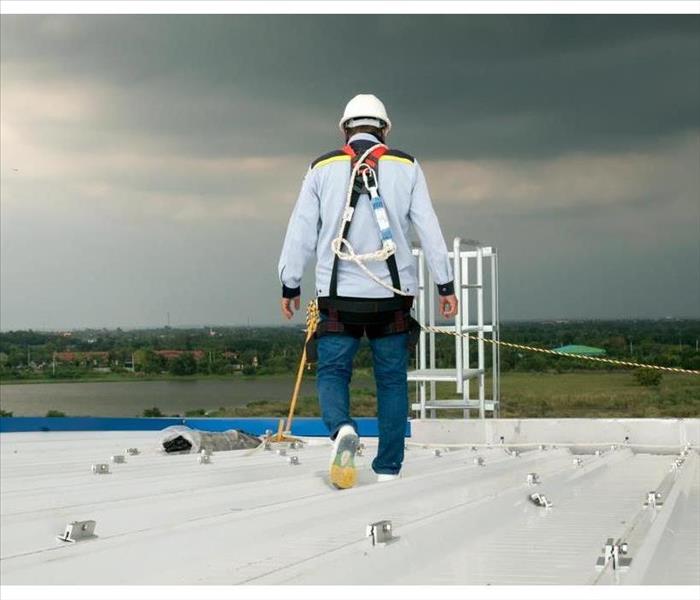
(388, 248)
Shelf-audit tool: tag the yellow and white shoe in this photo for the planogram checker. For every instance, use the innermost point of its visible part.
(343, 473)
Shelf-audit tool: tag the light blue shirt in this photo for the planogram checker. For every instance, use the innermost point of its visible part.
(318, 212)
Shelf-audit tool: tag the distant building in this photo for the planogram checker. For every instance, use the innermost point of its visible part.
(87, 359)
(170, 354)
(583, 350)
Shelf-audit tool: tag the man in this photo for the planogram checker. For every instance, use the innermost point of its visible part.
(355, 211)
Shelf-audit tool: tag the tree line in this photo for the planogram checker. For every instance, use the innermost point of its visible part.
(269, 350)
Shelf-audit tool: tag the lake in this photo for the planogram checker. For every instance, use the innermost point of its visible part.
(130, 398)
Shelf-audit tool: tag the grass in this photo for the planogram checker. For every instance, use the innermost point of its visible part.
(362, 404)
(527, 395)
(598, 394)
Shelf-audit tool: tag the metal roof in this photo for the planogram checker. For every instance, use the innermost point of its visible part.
(256, 518)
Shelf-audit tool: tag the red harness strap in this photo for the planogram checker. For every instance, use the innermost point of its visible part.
(373, 157)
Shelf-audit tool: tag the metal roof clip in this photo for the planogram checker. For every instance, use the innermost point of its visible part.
(541, 500)
(533, 479)
(380, 532)
(77, 531)
(132, 451)
(118, 459)
(100, 469)
(653, 499)
(612, 553)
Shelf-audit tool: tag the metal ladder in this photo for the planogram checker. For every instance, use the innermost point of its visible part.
(470, 261)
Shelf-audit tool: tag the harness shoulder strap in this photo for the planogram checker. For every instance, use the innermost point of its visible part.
(357, 190)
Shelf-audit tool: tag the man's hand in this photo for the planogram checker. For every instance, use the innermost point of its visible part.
(448, 306)
(286, 306)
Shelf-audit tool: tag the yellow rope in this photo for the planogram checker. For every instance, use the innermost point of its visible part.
(312, 317)
(610, 361)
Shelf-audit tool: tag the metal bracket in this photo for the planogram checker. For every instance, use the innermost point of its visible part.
(540, 500)
(479, 461)
(578, 462)
(118, 459)
(77, 531)
(533, 479)
(293, 460)
(132, 451)
(380, 532)
(282, 452)
(612, 552)
(437, 452)
(653, 499)
(204, 459)
(100, 469)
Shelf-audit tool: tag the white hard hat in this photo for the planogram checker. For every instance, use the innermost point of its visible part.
(365, 109)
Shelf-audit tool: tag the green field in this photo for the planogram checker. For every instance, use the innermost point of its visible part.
(597, 394)
(578, 394)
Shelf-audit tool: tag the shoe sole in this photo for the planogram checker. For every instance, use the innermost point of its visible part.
(343, 473)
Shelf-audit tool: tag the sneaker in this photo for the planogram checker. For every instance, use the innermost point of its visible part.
(343, 473)
(382, 477)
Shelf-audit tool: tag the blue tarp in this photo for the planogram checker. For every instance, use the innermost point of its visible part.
(303, 426)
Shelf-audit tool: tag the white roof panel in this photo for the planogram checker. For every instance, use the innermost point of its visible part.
(254, 518)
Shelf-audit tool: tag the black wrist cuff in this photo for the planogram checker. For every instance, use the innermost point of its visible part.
(290, 292)
(446, 289)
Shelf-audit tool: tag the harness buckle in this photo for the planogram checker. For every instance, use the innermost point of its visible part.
(372, 186)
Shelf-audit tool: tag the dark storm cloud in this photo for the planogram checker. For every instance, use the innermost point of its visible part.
(477, 86)
(150, 163)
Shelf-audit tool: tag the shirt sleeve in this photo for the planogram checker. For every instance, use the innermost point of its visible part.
(301, 238)
(427, 227)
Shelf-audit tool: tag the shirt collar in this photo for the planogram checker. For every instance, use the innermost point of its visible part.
(368, 137)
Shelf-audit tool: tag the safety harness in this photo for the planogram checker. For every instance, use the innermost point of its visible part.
(364, 180)
(380, 316)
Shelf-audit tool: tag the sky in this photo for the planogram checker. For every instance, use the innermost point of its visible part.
(149, 164)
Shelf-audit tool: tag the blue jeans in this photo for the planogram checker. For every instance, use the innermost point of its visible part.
(333, 373)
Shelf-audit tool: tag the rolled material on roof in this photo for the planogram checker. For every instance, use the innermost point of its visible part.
(184, 440)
